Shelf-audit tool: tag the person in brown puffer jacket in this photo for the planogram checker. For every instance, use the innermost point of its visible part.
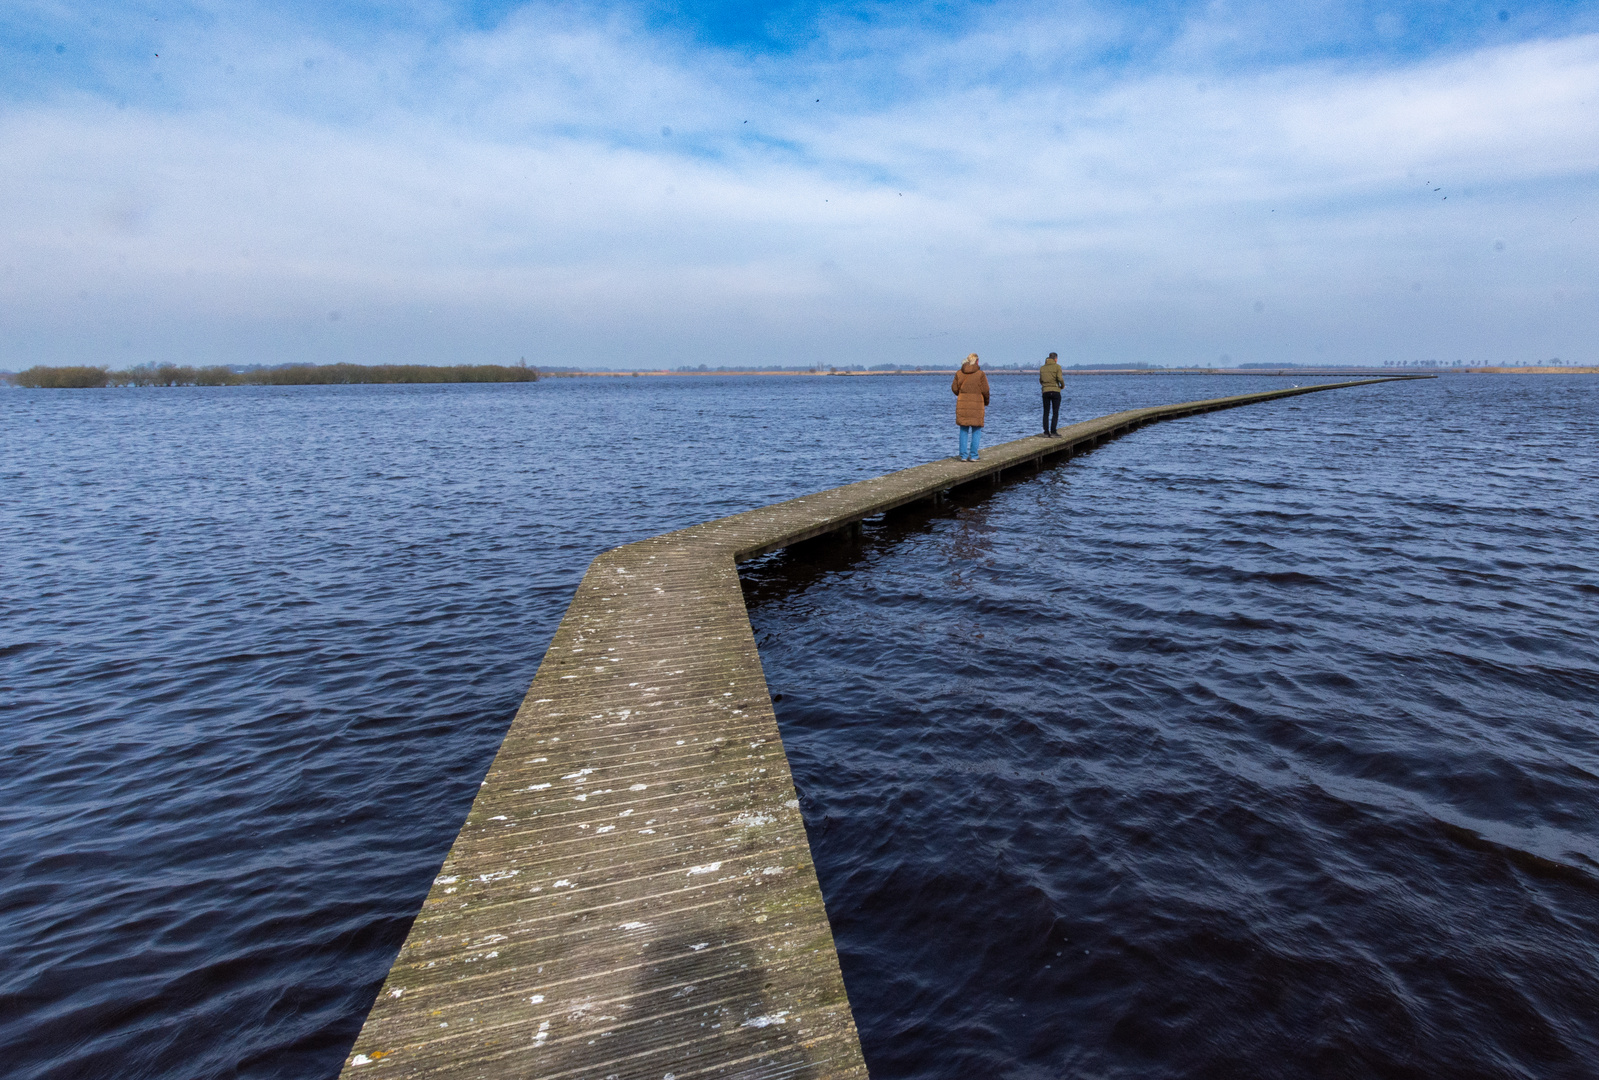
(971, 395)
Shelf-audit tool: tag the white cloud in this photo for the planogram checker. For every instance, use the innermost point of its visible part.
(510, 193)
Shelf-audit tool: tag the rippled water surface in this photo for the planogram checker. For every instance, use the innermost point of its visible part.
(1258, 743)
(1261, 744)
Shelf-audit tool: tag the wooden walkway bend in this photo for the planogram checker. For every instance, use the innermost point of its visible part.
(632, 895)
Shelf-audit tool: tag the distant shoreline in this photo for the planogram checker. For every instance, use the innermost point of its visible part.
(96, 378)
(83, 378)
(1416, 372)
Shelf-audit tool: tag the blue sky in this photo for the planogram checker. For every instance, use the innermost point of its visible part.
(655, 184)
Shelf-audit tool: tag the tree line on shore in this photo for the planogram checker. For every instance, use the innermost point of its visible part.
(77, 378)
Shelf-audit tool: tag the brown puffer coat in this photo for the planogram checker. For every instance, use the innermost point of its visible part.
(971, 394)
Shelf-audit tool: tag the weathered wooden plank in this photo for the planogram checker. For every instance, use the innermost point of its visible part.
(632, 894)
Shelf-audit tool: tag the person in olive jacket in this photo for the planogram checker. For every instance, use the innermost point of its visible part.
(971, 394)
(1053, 382)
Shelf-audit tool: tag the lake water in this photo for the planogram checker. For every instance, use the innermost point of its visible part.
(1261, 743)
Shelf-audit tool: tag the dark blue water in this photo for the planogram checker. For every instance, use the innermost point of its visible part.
(1284, 715)
(1264, 744)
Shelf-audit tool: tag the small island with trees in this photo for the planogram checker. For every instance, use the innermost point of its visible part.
(86, 377)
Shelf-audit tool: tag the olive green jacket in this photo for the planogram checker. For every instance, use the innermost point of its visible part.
(1050, 376)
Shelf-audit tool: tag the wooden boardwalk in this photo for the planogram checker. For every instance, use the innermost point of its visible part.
(632, 895)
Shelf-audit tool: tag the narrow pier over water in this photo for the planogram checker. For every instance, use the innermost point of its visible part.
(632, 894)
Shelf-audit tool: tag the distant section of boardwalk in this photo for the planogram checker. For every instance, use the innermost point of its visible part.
(632, 894)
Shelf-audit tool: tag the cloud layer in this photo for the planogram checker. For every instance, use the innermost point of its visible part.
(587, 187)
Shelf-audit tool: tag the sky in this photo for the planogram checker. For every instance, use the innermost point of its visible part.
(654, 184)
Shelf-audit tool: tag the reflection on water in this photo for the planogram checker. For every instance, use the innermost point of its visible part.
(1254, 744)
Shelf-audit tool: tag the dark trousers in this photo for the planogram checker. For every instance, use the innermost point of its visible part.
(1051, 411)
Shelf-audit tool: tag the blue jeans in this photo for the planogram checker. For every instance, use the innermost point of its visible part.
(1051, 411)
(972, 436)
